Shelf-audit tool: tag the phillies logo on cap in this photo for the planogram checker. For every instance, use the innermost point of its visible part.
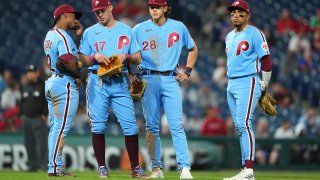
(236, 3)
(96, 3)
(158, 2)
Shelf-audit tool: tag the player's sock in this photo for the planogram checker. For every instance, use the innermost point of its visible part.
(248, 164)
(132, 145)
(98, 143)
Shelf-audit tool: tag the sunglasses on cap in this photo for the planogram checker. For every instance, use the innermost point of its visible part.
(154, 6)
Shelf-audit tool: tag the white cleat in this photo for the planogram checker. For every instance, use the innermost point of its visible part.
(245, 174)
(185, 173)
(157, 173)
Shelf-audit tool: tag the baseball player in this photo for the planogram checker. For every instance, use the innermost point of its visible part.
(247, 55)
(106, 38)
(162, 40)
(61, 88)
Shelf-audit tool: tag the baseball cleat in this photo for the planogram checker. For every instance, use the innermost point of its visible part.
(138, 173)
(103, 172)
(185, 173)
(245, 174)
(61, 174)
(157, 173)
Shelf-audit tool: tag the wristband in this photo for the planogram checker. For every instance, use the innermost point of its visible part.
(91, 58)
(79, 64)
(128, 56)
(188, 71)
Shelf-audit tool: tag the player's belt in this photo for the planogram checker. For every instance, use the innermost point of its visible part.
(60, 75)
(94, 71)
(241, 76)
(161, 73)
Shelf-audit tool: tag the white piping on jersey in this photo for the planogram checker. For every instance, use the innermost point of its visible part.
(64, 40)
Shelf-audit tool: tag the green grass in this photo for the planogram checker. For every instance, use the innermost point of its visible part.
(198, 175)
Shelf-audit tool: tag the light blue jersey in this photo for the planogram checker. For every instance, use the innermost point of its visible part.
(161, 45)
(57, 43)
(61, 94)
(244, 51)
(119, 39)
(113, 92)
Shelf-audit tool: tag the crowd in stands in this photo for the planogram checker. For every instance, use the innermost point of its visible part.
(294, 38)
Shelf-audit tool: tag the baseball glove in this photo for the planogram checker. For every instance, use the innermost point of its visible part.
(69, 68)
(136, 87)
(113, 68)
(268, 104)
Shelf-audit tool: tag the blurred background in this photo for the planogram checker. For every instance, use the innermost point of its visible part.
(288, 141)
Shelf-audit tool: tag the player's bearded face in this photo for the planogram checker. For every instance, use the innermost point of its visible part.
(104, 15)
(239, 18)
(157, 11)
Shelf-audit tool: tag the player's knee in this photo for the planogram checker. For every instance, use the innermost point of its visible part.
(153, 128)
(98, 129)
(176, 127)
(130, 130)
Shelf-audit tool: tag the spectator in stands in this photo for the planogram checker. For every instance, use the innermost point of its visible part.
(262, 128)
(127, 12)
(11, 96)
(270, 37)
(11, 121)
(286, 23)
(298, 43)
(316, 41)
(219, 74)
(302, 25)
(283, 132)
(207, 97)
(306, 59)
(262, 132)
(213, 124)
(2, 83)
(231, 130)
(315, 21)
(308, 125)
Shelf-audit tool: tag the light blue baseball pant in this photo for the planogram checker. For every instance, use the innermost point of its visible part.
(243, 95)
(63, 100)
(164, 90)
(105, 92)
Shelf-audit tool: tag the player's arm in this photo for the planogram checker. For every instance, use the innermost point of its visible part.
(89, 60)
(69, 64)
(134, 59)
(266, 71)
(191, 61)
(192, 57)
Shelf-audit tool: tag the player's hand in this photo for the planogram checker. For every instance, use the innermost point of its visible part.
(263, 85)
(78, 28)
(101, 58)
(78, 83)
(122, 57)
(182, 77)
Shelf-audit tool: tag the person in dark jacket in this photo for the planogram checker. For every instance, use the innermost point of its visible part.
(34, 115)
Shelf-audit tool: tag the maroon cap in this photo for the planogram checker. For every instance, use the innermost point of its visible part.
(158, 2)
(66, 8)
(99, 4)
(243, 5)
